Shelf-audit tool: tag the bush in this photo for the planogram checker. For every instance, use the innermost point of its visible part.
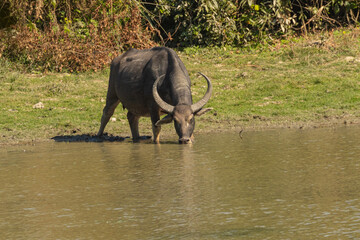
(198, 22)
(67, 35)
(237, 22)
(73, 35)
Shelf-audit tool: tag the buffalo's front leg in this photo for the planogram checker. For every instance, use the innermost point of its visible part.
(134, 126)
(156, 133)
(155, 116)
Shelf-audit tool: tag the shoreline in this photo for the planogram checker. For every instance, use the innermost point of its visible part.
(169, 134)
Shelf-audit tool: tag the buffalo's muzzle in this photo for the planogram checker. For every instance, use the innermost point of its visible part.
(185, 140)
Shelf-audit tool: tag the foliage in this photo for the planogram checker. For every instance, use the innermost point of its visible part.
(218, 22)
(78, 35)
(73, 35)
(199, 22)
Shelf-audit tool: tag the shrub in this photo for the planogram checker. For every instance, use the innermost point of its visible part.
(236, 22)
(78, 35)
(73, 35)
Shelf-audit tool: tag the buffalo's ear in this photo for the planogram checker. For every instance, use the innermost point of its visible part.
(203, 111)
(167, 119)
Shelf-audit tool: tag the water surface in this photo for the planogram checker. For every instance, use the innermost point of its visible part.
(277, 184)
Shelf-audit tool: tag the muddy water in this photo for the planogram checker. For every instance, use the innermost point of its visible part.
(281, 184)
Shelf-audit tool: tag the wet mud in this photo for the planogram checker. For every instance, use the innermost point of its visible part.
(89, 138)
(93, 138)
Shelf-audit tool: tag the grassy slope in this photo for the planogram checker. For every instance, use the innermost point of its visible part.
(296, 83)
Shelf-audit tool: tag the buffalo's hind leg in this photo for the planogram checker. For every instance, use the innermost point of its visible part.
(111, 104)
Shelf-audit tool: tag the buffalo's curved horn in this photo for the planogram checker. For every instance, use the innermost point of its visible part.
(162, 104)
(200, 104)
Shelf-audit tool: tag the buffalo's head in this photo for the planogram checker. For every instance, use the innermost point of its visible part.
(183, 115)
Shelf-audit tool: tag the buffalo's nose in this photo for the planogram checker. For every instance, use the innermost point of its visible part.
(184, 140)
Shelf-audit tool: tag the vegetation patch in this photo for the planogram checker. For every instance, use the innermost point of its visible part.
(294, 83)
(77, 36)
(71, 36)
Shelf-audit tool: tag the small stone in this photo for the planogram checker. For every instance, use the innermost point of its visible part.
(349, 59)
(244, 74)
(113, 119)
(39, 105)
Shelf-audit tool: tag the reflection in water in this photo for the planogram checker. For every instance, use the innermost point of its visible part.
(283, 184)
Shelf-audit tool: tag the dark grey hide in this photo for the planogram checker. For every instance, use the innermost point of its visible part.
(150, 83)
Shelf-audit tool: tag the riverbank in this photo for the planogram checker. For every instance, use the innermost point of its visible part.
(298, 83)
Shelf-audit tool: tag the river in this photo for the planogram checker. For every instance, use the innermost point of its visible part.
(273, 184)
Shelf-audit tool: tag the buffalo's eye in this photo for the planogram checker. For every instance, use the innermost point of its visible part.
(191, 118)
(176, 119)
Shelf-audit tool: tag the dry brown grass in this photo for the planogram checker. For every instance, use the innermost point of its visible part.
(72, 43)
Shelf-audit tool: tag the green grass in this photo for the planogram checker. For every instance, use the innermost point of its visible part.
(291, 84)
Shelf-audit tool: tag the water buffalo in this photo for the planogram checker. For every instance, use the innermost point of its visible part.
(151, 83)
